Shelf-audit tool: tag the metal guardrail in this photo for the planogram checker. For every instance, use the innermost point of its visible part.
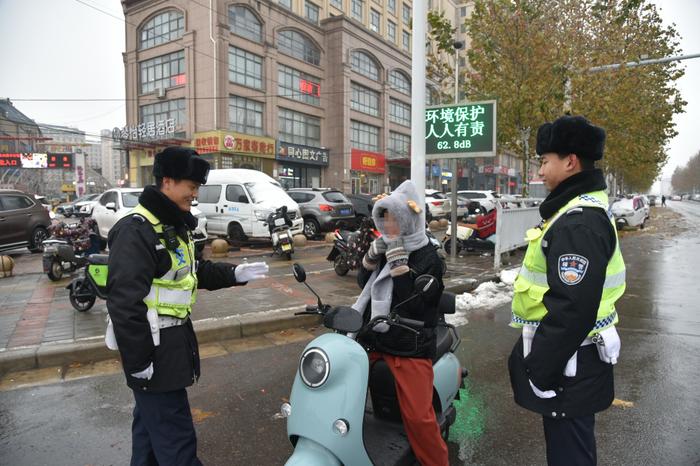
(513, 219)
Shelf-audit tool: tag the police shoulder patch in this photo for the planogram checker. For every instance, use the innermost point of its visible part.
(572, 268)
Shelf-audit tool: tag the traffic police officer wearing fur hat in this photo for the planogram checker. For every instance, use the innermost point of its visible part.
(154, 274)
(565, 294)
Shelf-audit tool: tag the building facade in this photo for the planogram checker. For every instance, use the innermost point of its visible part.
(113, 161)
(312, 93)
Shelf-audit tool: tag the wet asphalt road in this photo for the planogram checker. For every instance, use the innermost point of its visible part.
(656, 421)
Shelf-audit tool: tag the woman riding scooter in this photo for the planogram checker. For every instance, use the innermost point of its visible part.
(387, 277)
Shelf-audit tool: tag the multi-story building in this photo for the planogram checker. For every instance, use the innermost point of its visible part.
(93, 155)
(315, 93)
(113, 160)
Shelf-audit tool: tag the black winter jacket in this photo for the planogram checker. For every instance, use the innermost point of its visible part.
(397, 341)
(133, 264)
(571, 310)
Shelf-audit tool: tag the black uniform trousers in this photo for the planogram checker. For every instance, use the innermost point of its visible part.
(570, 442)
(162, 432)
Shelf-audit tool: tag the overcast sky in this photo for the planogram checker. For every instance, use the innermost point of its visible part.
(64, 49)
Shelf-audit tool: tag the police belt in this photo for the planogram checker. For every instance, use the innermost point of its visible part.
(170, 321)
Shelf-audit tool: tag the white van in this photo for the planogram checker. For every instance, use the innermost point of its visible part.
(237, 203)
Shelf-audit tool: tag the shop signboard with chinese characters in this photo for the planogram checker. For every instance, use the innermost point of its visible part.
(36, 160)
(80, 175)
(230, 142)
(145, 131)
(365, 161)
(302, 154)
(461, 131)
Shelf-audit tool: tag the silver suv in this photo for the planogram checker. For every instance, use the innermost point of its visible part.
(323, 209)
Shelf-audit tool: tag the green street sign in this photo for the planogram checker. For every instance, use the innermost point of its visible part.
(461, 131)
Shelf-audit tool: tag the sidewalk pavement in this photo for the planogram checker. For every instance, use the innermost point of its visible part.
(39, 328)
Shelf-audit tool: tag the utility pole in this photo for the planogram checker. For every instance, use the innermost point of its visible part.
(418, 62)
(525, 137)
(458, 45)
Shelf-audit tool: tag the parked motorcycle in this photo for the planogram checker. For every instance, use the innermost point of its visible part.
(279, 224)
(65, 251)
(330, 418)
(349, 247)
(83, 291)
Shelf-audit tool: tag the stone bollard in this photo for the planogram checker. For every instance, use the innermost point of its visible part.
(443, 223)
(299, 241)
(434, 225)
(219, 248)
(6, 266)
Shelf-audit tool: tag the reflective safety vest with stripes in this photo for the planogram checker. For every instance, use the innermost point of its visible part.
(174, 293)
(531, 283)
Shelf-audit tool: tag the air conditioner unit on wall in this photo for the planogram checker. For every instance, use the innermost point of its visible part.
(160, 93)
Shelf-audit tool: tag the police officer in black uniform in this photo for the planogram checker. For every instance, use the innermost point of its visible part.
(151, 253)
(573, 272)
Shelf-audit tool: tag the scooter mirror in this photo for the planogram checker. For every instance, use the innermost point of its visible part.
(426, 284)
(343, 319)
(299, 272)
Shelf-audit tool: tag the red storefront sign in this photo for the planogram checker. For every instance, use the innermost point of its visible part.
(366, 161)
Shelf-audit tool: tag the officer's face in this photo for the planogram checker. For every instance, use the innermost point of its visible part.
(554, 170)
(181, 192)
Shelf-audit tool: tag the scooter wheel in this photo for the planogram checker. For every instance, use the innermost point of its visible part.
(340, 267)
(447, 245)
(80, 304)
(55, 272)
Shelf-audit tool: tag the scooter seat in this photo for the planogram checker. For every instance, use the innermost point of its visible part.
(98, 259)
(444, 341)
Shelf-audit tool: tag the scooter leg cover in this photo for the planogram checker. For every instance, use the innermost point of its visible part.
(414, 389)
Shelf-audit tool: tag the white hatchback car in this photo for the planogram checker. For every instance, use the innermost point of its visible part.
(438, 204)
(629, 212)
(117, 203)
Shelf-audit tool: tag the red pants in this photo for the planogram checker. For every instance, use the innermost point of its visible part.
(414, 388)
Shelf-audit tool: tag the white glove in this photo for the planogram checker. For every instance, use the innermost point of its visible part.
(540, 393)
(110, 337)
(608, 345)
(147, 373)
(246, 272)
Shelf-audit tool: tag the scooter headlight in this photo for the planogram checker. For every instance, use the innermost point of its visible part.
(314, 367)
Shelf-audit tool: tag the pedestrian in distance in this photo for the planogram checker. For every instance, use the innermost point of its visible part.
(386, 276)
(663, 201)
(565, 294)
(154, 274)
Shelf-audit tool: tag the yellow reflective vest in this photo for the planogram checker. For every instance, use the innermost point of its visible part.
(531, 283)
(174, 293)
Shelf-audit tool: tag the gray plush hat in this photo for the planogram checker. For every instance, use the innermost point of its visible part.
(571, 135)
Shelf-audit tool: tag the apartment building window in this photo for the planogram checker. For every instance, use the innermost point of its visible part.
(357, 6)
(161, 111)
(364, 136)
(298, 85)
(365, 65)
(399, 112)
(299, 46)
(406, 41)
(243, 22)
(391, 31)
(364, 100)
(406, 14)
(245, 115)
(337, 3)
(286, 3)
(299, 128)
(399, 145)
(245, 68)
(399, 81)
(432, 96)
(391, 6)
(162, 72)
(311, 11)
(375, 20)
(162, 28)
(463, 11)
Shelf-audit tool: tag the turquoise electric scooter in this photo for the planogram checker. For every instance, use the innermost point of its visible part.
(330, 418)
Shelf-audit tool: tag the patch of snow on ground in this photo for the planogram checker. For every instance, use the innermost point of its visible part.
(486, 295)
(508, 276)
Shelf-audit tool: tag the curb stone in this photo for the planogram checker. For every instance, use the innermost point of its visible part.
(208, 331)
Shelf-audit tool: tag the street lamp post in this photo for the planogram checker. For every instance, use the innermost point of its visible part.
(458, 45)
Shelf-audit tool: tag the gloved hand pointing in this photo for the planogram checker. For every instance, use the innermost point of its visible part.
(246, 272)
